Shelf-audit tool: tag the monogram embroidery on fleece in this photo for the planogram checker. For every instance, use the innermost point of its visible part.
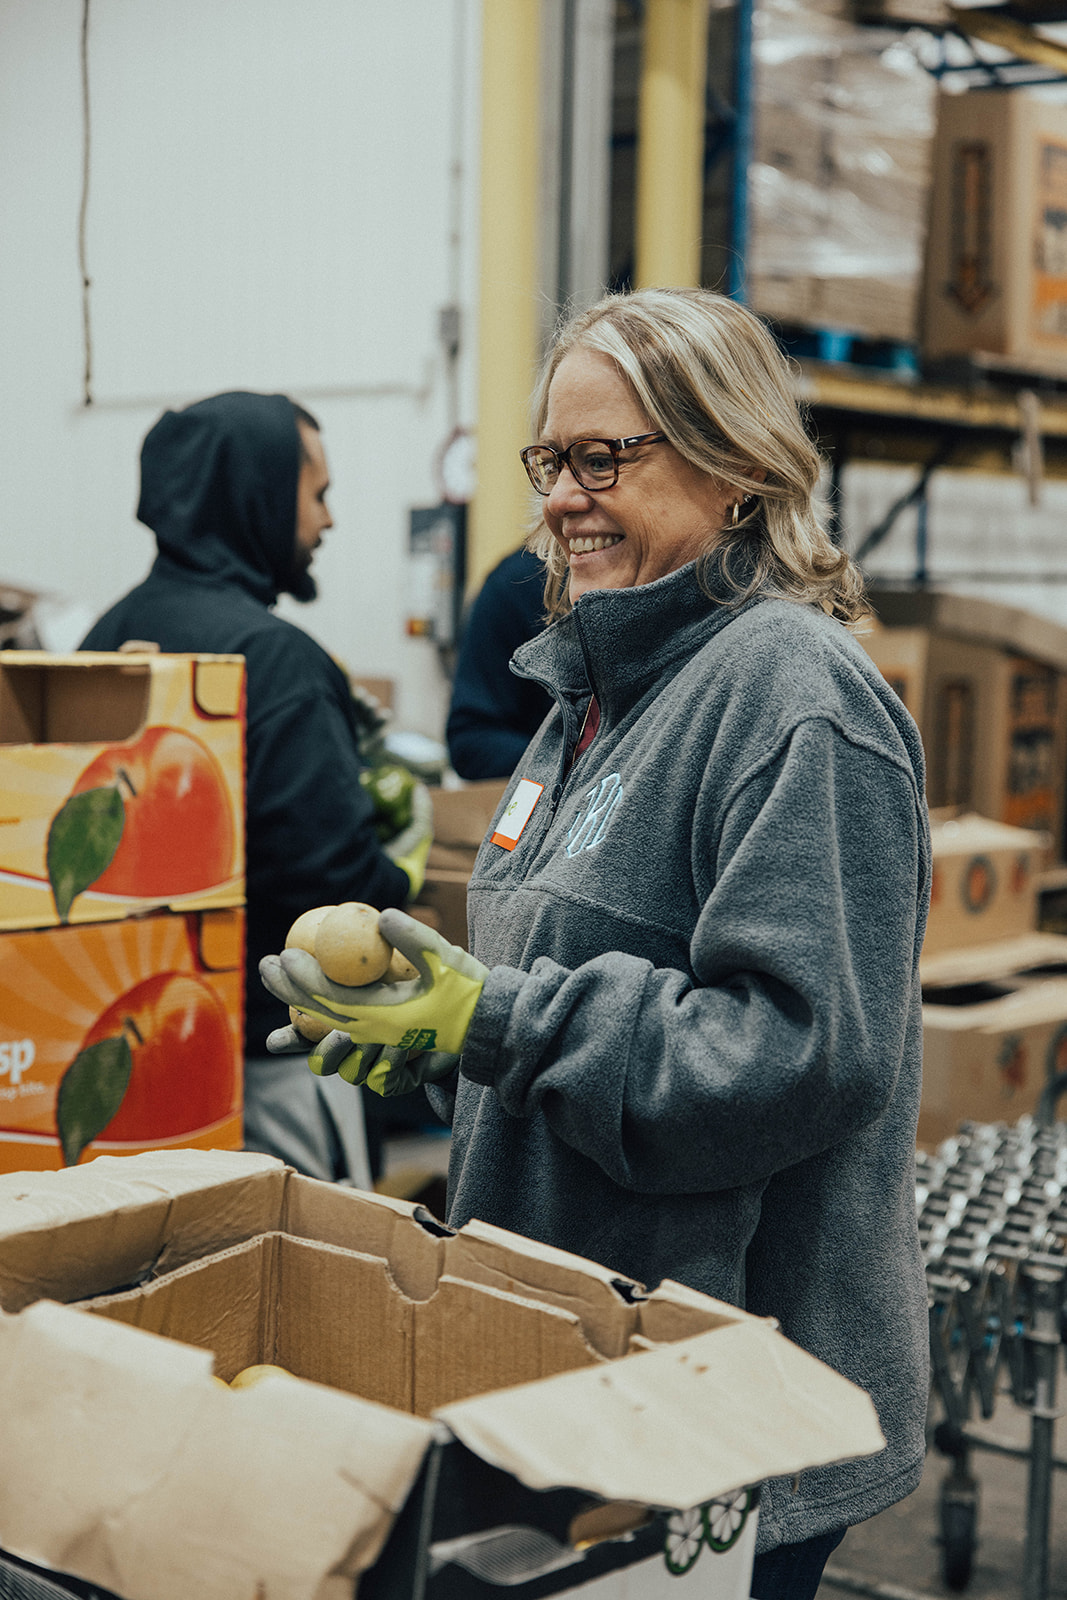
(589, 826)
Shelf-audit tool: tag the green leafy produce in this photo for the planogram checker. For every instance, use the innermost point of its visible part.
(392, 789)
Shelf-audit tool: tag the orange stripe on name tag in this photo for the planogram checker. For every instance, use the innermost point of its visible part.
(517, 813)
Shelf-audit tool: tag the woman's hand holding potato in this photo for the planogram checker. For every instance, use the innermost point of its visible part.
(407, 1012)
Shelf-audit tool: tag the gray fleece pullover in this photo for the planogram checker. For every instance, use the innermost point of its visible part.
(698, 1052)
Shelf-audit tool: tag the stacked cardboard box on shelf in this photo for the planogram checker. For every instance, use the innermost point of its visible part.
(987, 686)
(840, 171)
(121, 904)
(421, 1441)
(995, 280)
(994, 984)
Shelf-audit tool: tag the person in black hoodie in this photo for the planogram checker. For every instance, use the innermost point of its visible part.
(493, 714)
(234, 489)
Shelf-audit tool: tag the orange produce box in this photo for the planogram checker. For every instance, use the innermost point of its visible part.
(122, 784)
(121, 1037)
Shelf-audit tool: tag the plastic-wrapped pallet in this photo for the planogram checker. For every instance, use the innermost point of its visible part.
(838, 184)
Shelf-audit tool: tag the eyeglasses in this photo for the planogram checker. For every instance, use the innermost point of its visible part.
(594, 463)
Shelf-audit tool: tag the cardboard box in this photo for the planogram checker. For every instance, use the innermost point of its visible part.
(871, 308)
(1024, 958)
(392, 1459)
(986, 685)
(984, 886)
(123, 785)
(995, 277)
(989, 1049)
(462, 818)
(121, 1036)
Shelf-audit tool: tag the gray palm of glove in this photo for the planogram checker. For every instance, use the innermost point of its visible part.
(395, 1070)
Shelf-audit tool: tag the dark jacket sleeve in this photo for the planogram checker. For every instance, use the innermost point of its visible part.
(494, 714)
(311, 825)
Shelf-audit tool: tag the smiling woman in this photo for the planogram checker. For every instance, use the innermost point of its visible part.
(686, 1039)
(737, 473)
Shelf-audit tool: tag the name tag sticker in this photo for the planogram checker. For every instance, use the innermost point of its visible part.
(517, 813)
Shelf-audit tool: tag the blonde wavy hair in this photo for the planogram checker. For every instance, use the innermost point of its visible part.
(709, 375)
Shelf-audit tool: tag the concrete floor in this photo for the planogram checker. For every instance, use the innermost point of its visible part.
(899, 1550)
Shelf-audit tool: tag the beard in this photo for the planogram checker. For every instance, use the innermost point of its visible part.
(302, 585)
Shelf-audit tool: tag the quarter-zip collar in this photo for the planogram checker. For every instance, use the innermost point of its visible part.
(617, 643)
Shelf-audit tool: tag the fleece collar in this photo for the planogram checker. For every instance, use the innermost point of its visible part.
(621, 642)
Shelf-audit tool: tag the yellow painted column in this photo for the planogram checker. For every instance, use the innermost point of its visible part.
(508, 276)
(670, 143)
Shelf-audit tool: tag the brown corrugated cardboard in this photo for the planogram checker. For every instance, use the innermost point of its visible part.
(989, 1049)
(462, 816)
(123, 780)
(986, 685)
(295, 1486)
(1027, 956)
(461, 821)
(984, 887)
(874, 308)
(444, 892)
(995, 277)
(977, 619)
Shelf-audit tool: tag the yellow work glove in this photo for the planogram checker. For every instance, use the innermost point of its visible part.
(387, 1069)
(410, 848)
(431, 1012)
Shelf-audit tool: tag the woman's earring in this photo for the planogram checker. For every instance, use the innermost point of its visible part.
(736, 514)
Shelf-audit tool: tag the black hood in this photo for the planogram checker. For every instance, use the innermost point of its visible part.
(218, 490)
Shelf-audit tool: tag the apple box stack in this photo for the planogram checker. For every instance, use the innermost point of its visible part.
(121, 904)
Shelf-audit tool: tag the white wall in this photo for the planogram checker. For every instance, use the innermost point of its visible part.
(283, 194)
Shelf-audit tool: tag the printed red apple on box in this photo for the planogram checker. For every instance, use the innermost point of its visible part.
(120, 1036)
(149, 819)
(123, 785)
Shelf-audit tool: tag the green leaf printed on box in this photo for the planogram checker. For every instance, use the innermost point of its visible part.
(91, 1092)
(82, 840)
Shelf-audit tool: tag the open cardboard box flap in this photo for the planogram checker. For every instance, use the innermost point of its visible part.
(295, 1486)
(121, 1459)
(1001, 958)
(765, 1409)
(69, 1234)
(291, 1488)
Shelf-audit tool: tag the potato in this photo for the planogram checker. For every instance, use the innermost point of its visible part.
(400, 969)
(252, 1375)
(312, 1029)
(301, 935)
(348, 946)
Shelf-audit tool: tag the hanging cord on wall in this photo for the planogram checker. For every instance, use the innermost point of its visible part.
(83, 208)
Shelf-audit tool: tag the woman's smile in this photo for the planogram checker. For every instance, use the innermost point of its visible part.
(583, 544)
(661, 514)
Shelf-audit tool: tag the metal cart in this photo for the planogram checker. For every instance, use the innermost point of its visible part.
(992, 1208)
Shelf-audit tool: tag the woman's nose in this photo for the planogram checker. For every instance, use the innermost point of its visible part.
(566, 494)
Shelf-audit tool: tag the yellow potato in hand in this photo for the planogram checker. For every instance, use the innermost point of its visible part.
(309, 1028)
(348, 946)
(301, 935)
(400, 969)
